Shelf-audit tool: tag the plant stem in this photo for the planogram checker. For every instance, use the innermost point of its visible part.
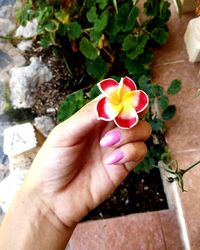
(67, 66)
(183, 171)
(15, 38)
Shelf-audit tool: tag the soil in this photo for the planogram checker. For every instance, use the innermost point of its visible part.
(140, 192)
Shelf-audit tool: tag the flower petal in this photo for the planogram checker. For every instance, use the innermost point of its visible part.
(108, 86)
(106, 110)
(127, 118)
(126, 84)
(138, 98)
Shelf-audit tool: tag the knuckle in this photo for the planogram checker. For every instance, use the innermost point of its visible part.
(147, 130)
(140, 152)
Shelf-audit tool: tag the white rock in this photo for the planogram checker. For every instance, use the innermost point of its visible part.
(6, 11)
(4, 171)
(19, 139)
(16, 59)
(29, 30)
(192, 40)
(24, 80)
(44, 124)
(9, 187)
(6, 27)
(51, 110)
(25, 45)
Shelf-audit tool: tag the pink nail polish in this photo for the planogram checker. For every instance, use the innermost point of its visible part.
(115, 157)
(110, 139)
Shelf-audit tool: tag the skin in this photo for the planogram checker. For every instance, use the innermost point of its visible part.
(67, 179)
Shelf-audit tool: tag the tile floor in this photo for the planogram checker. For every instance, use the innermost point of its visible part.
(160, 230)
(148, 231)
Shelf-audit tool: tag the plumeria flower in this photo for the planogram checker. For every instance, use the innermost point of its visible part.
(121, 102)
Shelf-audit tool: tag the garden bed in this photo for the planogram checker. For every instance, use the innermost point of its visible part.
(140, 192)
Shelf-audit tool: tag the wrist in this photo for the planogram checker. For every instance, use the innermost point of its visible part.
(30, 224)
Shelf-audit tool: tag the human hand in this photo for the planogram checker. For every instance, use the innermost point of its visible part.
(83, 161)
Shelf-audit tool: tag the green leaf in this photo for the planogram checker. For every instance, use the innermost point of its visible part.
(92, 14)
(139, 49)
(156, 90)
(51, 26)
(143, 83)
(47, 39)
(146, 165)
(74, 30)
(102, 3)
(174, 87)
(101, 23)
(94, 92)
(164, 11)
(131, 20)
(24, 14)
(129, 43)
(160, 35)
(135, 68)
(44, 14)
(151, 7)
(163, 102)
(62, 16)
(70, 105)
(113, 27)
(88, 50)
(144, 80)
(97, 68)
(169, 112)
(156, 124)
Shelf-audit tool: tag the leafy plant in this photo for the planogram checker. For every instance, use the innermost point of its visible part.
(110, 40)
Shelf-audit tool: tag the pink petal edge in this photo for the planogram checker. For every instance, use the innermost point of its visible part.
(126, 123)
(106, 110)
(143, 102)
(129, 83)
(106, 84)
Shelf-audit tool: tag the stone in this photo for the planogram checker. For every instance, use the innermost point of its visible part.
(44, 124)
(29, 30)
(9, 57)
(1, 98)
(19, 139)
(192, 40)
(9, 187)
(6, 2)
(3, 125)
(5, 59)
(25, 45)
(3, 158)
(6, 11)
(6, 26)
(23, 81)
(4, 172)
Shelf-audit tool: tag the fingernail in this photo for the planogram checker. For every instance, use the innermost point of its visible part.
(110, 139)
(115, 157)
